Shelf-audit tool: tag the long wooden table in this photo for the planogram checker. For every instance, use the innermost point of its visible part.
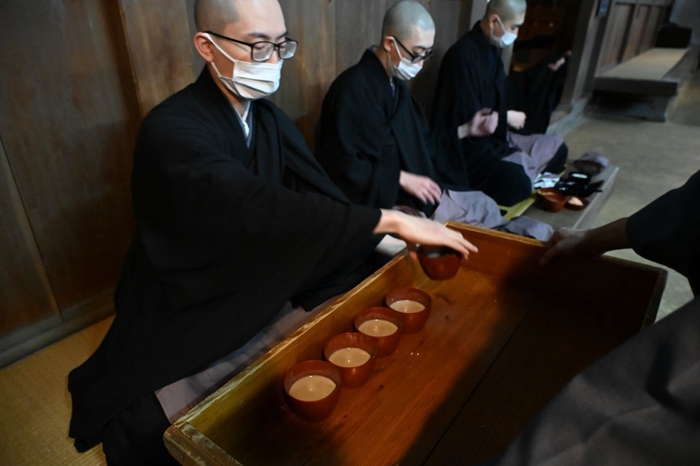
(504, 336)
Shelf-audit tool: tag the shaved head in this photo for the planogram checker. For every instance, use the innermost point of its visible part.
(506, 9)
(402, 18)
(215, 15)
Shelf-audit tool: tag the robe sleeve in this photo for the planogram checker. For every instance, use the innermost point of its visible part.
(667, 231)
(357, 148)
(197, 207)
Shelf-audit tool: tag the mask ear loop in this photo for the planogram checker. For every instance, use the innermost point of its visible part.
(396, 46)
(211, 41)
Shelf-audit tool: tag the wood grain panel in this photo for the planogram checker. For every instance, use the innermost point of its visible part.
(68, 125)
(651, 28)
(543, 354)
(197, 61)
(160, 48)
(25, 291)
(638, 24)
(307, 77)
(615, 33)
(358, 26)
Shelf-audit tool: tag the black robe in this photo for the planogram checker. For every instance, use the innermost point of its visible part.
(472, 77)
(368, 134)
(536, 91)
(225, 236)
(639, 405)
(667, 231)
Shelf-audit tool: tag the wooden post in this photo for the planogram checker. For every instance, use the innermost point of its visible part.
(584, 54)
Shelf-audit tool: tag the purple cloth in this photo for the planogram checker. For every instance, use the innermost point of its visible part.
(476, 208)
(534, 151)
(529, 227)
(472, 207)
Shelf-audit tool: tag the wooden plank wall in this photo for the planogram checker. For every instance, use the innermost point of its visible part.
(67, 125)
(630, 29)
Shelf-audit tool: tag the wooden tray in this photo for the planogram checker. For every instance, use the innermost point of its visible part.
(504, 336)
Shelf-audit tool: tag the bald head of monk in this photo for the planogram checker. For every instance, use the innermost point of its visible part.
(408, 36)
(503, 20)
(233, 37)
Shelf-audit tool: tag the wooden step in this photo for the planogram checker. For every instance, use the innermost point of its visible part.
(658, 71)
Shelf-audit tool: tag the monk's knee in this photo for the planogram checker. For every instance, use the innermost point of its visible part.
(521, 189)
(510, 186)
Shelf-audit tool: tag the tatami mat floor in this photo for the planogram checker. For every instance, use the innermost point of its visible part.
(653, 157)
(35, 404)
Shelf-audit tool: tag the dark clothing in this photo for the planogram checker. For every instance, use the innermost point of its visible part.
(639, 405)
(472, 77)
(667, 231)
(226, 235)
(511, 185)
(368, 134)
(135, 437)
(536, 91)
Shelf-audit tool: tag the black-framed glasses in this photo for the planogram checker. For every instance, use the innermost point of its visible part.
(262, 50)
(415, 58)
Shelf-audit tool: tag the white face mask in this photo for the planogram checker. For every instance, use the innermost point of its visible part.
(406, 70)
(506, 40)
(250, 80)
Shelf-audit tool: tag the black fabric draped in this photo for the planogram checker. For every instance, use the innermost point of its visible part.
(367, 135)
(639, 405)
(471, 78)
(536, 91)
(226, 234)
(668, 231)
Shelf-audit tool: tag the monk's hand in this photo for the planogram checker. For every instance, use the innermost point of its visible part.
(557, 64)
(422, 187)
(416, 230)
(516, 119)
(484, 123)
(564, 242)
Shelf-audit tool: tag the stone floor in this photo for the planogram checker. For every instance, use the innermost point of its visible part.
(653, 157)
